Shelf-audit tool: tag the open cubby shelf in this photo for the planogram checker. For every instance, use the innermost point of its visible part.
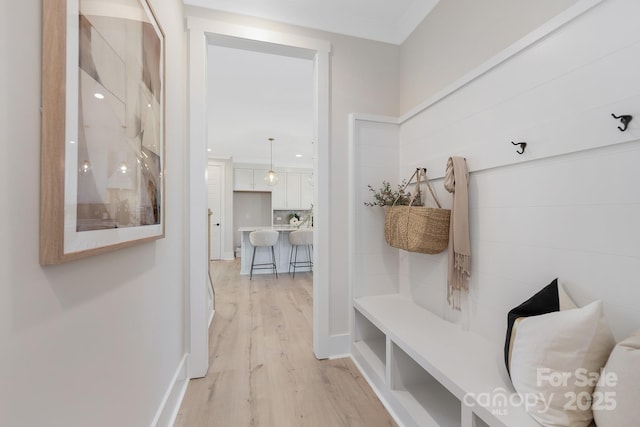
(371, 343)
(420, 394)
(428, 371)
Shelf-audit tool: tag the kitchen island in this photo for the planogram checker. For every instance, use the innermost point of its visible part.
(282, 250)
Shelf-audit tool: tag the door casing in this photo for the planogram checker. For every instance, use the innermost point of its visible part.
(200, 33)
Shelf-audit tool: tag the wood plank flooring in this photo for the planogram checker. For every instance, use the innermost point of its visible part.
(262, 371)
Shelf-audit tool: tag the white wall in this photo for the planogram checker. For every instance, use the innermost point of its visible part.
(567, 208)
(375, 158)
(364, 77)
(93, 342)
(458, 35)
(250, 208)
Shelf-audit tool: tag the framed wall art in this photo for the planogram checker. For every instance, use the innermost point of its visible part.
(102, 156)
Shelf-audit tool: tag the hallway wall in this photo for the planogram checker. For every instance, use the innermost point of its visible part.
(459, 35)
(94, 342)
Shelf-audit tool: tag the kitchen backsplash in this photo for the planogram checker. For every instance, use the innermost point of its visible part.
(282, 216)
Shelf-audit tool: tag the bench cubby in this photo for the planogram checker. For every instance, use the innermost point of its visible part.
(430, 371)
(423, 397)
(371, 342)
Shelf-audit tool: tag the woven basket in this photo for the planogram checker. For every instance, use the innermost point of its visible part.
(418, 228)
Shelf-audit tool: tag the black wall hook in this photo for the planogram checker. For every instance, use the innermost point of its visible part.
(522, 145)
(624, 120)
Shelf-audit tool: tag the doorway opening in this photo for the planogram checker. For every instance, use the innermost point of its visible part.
(201, 34)
(260, 116)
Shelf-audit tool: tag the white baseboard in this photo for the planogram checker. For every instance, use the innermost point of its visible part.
(213, 313)
(225, 256)
(168, 410)
(339, 346)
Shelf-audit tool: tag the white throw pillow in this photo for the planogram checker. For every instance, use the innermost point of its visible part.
(616, 399)
(555, 362)
(549, 299)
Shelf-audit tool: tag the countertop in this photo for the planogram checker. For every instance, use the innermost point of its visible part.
(273, 227)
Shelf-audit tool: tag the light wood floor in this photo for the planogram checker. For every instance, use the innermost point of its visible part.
(262, 371)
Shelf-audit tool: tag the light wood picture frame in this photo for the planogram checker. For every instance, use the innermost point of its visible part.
(103, 104)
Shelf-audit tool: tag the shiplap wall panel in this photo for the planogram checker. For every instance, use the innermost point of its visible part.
(570, 206)
(375, 158)
(423, 276)
(422, 279)
(557, 95)
(556, 217)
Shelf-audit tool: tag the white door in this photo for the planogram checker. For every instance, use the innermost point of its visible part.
(214, 190)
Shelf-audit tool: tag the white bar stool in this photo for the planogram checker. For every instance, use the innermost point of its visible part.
(263, 238)
(296, 239)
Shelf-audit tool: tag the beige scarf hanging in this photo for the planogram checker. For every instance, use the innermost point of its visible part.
(456, 181)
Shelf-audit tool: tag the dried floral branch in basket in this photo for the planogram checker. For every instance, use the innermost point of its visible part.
(385, 196)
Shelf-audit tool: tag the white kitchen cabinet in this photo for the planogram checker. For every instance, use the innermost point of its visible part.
(242, 179)
(306, 190)
(279, 192)
(293, 190)
(248, 179)
(259, 183)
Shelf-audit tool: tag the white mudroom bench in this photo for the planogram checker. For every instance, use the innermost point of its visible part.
(430, 372)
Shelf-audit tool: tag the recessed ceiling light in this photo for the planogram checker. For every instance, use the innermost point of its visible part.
(98, 95)
(209, 149)
(298, 155)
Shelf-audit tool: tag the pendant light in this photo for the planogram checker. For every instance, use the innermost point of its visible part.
(271, 178)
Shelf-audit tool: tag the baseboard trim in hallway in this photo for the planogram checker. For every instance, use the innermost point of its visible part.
(339, 346)
(172, 400)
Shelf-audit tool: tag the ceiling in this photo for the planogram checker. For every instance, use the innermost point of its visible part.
(254, 96)
(390, 21)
